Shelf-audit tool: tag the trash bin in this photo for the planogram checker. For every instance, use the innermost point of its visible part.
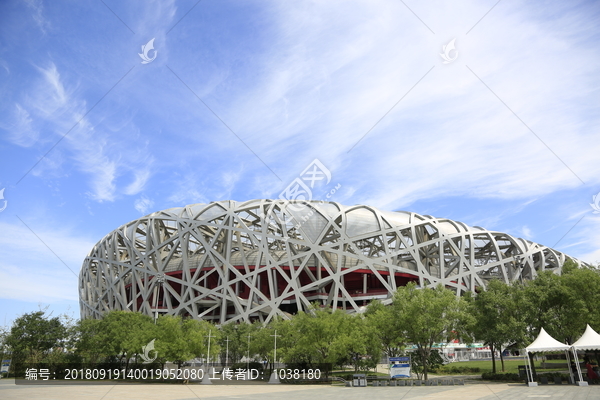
(359, 380)
(523, 371)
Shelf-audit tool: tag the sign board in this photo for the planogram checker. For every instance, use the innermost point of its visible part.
(400, 367)
(5, 366)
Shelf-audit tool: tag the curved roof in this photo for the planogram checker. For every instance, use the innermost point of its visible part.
(544, 342)
(309, 247)
(590, 340)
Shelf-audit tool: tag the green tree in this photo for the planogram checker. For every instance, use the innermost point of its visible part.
(263, 340)
(427, 316)
(178, 340)
(314, 333)
(550, 303)
(34, 335)
(126, 332)
(498, 321)
(386, 327)
(171, 342)
(584, 283)
(561, 304)
(92, 340)
(357, 343)
(237, 334)
(197, 335)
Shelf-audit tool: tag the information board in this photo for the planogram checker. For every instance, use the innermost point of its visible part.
(400, 367)
(5, 366)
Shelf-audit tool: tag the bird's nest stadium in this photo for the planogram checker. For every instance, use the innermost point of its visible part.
(243, 261)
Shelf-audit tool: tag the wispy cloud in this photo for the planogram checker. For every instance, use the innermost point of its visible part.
(99, 154)
(298, 81)
(21, 131)
(526, 232)
(37, 13)
(450, 135)
(30, 272)
(143, 205)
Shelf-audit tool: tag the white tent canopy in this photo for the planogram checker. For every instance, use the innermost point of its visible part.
(545, 342)
(590, 340)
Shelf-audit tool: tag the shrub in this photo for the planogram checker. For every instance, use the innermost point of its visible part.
(552, 375)
(490, 376)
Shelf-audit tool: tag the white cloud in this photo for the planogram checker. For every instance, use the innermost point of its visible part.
(37, 8)
(186, 191)
(29, 271)
(102, 155)
(143, 205)
(22, 132)
(526, 232)
(450, 135)
(583, 239)
(140, 179)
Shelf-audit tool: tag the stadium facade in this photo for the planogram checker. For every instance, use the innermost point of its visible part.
(243, 261)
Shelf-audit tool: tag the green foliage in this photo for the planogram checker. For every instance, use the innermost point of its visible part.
(178, 340)
(36, 338)
(499, 316)
(315, 335)
(320, 336)
(557, 304)
(506, 377)
(434, 362)
(552, 375)
(427, 316)
(584, 284)
(34, 335)
(93, 342)
(122, 335)
(262, 341)
(387, 329)
(358, 344)
(498, 321)
(125, 333)
(237, 334)
(458, 369)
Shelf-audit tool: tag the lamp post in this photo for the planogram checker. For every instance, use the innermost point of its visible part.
(227, 352)
(206, 377)
(209, 337)
(274, 377)
(248, 355)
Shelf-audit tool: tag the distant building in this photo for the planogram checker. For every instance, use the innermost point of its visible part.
(231, 261)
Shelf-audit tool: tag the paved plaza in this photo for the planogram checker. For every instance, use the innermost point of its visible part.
(483, 391)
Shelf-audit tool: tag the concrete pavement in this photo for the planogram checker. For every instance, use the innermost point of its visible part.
(480, 391)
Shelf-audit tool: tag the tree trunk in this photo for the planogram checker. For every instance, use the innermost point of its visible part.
(424, 361)
(501, 359)
(126, 365)
(533, 372)
(493, 358)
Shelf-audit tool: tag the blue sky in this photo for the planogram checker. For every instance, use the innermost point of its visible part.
(242, 96)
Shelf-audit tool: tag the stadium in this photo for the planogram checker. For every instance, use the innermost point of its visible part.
(244, 261)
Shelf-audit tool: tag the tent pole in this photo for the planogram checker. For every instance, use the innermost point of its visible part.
(529, 372)
(576, 356)
(569, 365)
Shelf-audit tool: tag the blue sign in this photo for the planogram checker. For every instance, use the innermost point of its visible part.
(399, 367)
(5, 366)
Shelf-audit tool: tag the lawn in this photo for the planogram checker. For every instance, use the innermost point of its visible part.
(509, 365)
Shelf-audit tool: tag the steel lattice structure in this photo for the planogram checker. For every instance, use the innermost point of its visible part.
(229, 261)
